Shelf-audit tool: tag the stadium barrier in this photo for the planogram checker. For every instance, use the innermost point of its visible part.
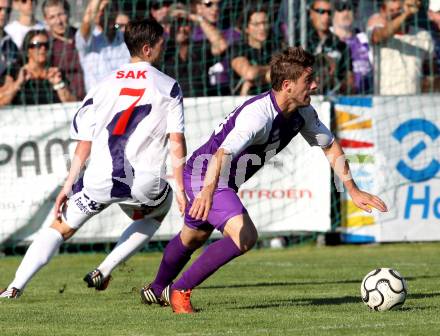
(393, 147)
(291, 193)
(391, 142)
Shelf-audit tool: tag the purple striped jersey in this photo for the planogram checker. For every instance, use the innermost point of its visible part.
(253, 133)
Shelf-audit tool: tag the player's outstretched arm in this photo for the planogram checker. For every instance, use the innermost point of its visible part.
(361, 199)
(178, 157)
(203, 201)
(82, 152)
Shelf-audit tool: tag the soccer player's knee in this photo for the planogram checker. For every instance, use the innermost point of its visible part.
(248, 240)
(195, 242)
(65, 230)
(194, 239)
(68, 234)
(44, 259)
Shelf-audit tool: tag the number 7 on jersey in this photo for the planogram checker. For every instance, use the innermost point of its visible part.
(122, 122)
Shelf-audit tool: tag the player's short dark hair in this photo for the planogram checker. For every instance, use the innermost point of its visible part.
(142, 32)
(289, 64)
(53, 3)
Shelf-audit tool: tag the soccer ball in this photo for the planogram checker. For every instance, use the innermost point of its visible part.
(383, 289)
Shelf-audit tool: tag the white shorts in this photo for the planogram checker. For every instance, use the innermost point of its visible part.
(80, 207)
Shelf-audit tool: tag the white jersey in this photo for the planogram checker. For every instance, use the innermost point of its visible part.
(127, 117)
(253, 133)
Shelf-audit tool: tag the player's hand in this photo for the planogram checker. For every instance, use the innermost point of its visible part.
(181, 201)
(201, 205)
(365, 201)
(59, 204)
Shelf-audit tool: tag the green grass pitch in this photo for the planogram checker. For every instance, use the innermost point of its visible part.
(304, 290)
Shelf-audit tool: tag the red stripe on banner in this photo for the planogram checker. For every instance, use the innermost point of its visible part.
(355, 144)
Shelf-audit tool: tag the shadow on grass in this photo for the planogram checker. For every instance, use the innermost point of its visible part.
(308, 283)
(415, 309)
(303, 302)
(422, 295)
(281, 283)
(332, 301)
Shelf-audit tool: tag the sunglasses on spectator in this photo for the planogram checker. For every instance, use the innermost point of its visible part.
(343, 6)
(24, 1)
(209, 3)
(6, 9)
(38, 45)
(322, 11)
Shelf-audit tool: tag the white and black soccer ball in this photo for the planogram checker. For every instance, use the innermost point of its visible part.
(383, 289)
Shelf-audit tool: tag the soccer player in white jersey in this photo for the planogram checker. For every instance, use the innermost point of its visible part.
(123, 127)
(252, 134)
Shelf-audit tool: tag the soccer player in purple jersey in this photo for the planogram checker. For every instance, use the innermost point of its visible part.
(238, 148)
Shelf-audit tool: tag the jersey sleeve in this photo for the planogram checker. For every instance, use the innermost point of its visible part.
(314, 131)
(176, 119)
(249, 126)
(84, 121)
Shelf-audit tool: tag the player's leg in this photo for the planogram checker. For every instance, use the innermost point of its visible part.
(177, 254)
(77, 211)
(240, 236)
(229, 216)
(39, 253)
(135, 236)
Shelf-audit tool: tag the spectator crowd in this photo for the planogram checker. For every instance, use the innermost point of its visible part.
(218, 48)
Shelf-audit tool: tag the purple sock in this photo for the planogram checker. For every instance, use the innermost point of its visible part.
(214, 257)
(174, 258)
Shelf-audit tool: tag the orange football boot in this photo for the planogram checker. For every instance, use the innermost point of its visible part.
(181, 301)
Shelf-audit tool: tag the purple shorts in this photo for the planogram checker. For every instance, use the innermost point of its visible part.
(225, 205)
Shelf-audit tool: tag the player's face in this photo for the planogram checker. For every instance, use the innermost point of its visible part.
(156, 51)
(56, 18)
(303, 88)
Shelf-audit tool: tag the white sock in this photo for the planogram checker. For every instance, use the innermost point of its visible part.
(133, 238)
(39, 253)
